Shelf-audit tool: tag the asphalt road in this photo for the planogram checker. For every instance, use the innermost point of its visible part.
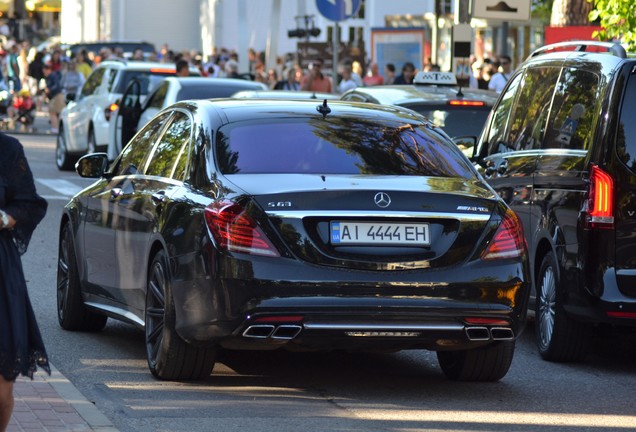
(291, 392)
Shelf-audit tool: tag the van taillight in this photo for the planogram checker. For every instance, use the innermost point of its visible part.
(600, 206)
(508, 241)
(235, 230)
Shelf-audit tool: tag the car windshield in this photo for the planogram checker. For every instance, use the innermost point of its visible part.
(205, 91)
(147, 78)
(337, 146)
(459, 121)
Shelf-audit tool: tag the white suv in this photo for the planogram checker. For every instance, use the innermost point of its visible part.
(83, 126)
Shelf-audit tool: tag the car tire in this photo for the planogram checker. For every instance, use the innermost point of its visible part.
(91, 146)
(63, 159)
(72, 314)
(559, 338)
(488, 363)
(170, 357)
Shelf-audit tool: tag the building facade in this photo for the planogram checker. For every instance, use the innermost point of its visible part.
(202, 25)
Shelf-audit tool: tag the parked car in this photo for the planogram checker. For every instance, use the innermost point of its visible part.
(243, 224)
(132, 114)
(83, 124)
(560, 148)
(458, 110)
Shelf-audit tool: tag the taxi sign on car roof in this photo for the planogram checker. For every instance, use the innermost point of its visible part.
(435, 78)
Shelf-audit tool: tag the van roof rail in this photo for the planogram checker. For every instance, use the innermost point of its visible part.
(611, 47)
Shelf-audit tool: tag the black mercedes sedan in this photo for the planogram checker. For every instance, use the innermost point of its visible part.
(305, 225)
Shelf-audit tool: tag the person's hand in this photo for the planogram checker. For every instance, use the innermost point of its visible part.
(6, 220)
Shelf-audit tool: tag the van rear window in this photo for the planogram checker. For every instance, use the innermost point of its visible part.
(626, 136)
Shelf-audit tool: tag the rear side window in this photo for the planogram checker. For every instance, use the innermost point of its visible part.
(500, 118)
(169, 148)
(532, 108)
(159, 96)
(626, 136)
(133, 156)
(573, 110)
(337, 146)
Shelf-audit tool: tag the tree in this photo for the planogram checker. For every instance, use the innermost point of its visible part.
(571, 12)
(617, 19)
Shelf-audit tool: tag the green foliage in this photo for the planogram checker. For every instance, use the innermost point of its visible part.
(617, 19)
(542, 9)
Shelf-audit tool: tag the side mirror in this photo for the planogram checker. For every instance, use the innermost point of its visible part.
(467, 144)
(92, 165)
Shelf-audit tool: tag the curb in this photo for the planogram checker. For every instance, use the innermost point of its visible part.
(86, 409)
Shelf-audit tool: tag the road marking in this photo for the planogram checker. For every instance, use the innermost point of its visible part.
(64, 188)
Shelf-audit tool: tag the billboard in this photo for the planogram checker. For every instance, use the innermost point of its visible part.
(398, 46)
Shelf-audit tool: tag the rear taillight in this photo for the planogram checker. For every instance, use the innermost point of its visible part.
(461, 102)
(600, 205)
(508, 241)
(109, 110)
(236, 231)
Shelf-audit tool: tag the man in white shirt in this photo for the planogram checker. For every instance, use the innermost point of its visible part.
(498, 81)
(347, 82)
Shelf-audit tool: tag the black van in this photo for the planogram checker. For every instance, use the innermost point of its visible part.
(560, 147)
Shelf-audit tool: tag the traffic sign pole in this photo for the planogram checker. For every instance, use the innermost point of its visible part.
(337, 10)
(335, 44)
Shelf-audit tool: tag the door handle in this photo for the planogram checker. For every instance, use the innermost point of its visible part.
(503, 167)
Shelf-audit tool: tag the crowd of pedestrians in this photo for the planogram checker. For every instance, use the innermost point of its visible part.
(52, 78)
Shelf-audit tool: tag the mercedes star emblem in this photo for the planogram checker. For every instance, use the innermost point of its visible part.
(382, 199)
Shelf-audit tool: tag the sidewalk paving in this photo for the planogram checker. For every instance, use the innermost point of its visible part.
(53, 404)
(40, 126)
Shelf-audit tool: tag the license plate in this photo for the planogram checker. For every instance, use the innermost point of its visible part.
(379, 233)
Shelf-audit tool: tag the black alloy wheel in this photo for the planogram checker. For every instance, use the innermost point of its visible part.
(488, 363)
(63, 160)
(72, 314)
(169, 356)
(559, 338)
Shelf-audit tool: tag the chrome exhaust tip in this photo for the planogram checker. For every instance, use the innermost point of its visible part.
(477, 333)
(502, 333)
(286, 332)
(259, 331)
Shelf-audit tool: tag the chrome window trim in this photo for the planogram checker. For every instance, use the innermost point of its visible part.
(300, 214)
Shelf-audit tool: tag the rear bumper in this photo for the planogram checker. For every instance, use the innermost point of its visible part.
(348, 309)
(599, 300)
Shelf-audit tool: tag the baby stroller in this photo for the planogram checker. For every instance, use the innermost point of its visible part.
(24, 107)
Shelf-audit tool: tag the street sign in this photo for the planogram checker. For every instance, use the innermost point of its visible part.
(505, 10)
(462, 37)
(338, 10)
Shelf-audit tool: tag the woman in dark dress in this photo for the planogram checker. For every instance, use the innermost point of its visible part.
(21, 209)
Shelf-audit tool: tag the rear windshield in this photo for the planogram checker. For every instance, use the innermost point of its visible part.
(149, 79)
(458, 121)
(626, 136)
(334, 146)
(202, 91)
